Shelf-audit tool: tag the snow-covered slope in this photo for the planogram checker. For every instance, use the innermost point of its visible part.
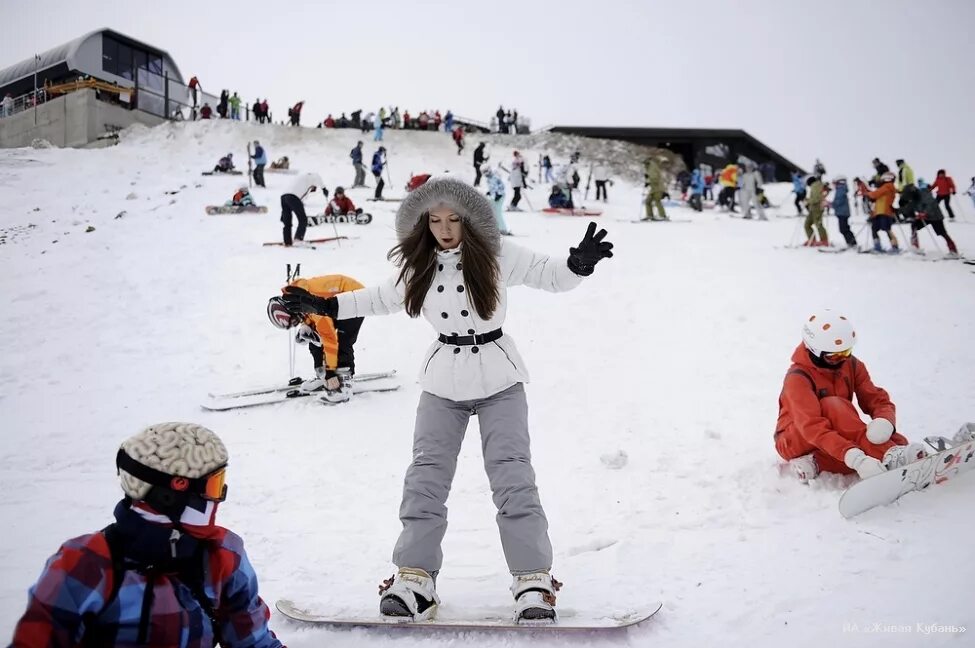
(672, 353)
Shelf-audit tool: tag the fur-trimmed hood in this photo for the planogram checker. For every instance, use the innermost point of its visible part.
(473, 208)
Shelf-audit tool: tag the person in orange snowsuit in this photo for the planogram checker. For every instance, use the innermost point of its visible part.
(331, 343)
(819, 429)
(882, 218)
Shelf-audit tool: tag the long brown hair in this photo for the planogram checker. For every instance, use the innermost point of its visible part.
(416, 257)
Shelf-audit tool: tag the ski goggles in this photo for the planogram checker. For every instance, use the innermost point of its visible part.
(837, 356)
(212, 486)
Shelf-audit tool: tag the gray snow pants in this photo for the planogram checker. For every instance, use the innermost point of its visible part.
(440, 428)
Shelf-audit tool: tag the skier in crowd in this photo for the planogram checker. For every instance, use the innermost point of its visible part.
(480, 157)
(905, 181)
(282, 163)
(458, 135)
(971, 190)
(235, 102)
(922, 210)
(600, 173)
(559, 198)
(882, 216)
(378, 124)
(696, 199)
(799, 189)
(819, 429)
(222, 104)
(945, 186)
(260, 160)
(378, 164)
(841, 207)
(654, 182)
(256, 109)
(341, 205)
(495, 193)
(194, 86)
(818, 169)
(728, 179)
(291, 203)
(360, 172)
(815, 204)
(751, 183)
(225, 165)
(331, 342)
(518, 179)
(455, 270)
(206, 112)
(164, 573)
(294, 113)
(241, 198)
(547, 166)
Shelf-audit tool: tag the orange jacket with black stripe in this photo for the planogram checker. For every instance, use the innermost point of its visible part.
(327, 286)
(801, 416)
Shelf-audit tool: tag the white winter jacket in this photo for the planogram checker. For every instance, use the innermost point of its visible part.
(303, 183)
(600, 172)
(462, 373)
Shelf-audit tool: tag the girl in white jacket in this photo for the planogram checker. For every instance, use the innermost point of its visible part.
(455, 270)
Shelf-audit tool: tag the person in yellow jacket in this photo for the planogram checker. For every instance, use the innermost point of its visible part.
(331, 343)
(815, 203)
(728, 179)
(905, 182)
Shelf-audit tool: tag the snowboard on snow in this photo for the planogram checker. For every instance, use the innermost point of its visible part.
(384, 199)
(307, 242)
(235, 209)
(568, 620)
(579, 211)
(888, 487)
(285, 171)
(210, 173)
(224, 404)
(358, 219)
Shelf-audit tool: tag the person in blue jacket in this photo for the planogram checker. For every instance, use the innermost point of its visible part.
(799, 189)
(841, 207)
(260, 160)
(495, 193)
(360, 172)
(378, 162)
(696, 200)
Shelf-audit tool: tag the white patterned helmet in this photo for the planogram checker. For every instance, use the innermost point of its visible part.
(828, 332)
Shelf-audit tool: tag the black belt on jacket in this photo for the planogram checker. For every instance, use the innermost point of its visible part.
(469, 340)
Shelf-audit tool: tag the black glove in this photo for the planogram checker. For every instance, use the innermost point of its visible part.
(299, 300)
(591, 250)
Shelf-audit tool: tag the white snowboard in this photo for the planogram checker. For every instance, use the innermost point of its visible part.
(891, 485)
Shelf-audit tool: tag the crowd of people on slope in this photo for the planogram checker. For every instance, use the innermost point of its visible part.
(230, 106)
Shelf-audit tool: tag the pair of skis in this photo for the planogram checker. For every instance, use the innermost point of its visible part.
(284, 392)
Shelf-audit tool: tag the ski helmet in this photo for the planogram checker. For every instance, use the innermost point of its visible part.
(279, 314)
(339, 191)
(888, 177)
(828, 332)
(168, 463)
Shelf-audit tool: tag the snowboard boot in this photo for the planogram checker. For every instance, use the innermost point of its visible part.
(805, 468)
(900, 456)
(534, 597)
(409, 593)
(964, 434)
(343, 392)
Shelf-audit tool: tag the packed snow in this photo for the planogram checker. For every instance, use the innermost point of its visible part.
(652, 403)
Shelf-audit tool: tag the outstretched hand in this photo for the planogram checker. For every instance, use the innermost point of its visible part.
(590, 251)
(300, 300)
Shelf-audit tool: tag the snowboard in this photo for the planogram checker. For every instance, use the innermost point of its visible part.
(579, 211)
(645, 220)
(235, 209)
(224, 404)
(295, 382)
(210, 173)
(492, 620)
(358, 219)
(307, 242)
(890, 486)
(384, 199)
(287, 171)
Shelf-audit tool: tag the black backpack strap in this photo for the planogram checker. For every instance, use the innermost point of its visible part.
(114, 540)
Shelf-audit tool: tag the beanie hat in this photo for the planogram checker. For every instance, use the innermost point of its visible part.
(473, 208)
(178, 449)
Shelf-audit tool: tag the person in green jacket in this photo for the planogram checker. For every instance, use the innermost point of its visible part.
(814, 202)
(655, 190)
(905, 185)
(235, 107)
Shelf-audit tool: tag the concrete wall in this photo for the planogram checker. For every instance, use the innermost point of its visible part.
(75, 119)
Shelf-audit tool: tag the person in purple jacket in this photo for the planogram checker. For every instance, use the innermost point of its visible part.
(163, 574)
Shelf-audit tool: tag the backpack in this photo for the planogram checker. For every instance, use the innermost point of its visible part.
(192, 579)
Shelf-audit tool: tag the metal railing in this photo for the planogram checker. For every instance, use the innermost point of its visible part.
(10, 106)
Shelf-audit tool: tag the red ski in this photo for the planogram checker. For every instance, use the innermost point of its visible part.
(565, 211)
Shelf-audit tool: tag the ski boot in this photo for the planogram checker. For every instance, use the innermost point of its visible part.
(805, 468)
(900, 456)
(315, 384)
(409, 593)
(535, 597)
(338, 388)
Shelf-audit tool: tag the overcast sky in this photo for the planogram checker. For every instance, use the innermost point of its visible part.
(844, 80)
